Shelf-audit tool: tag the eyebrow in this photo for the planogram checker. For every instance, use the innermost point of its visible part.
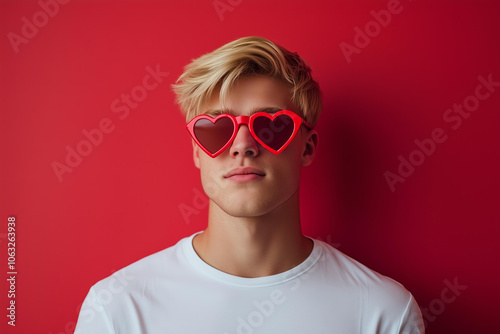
(269, 110)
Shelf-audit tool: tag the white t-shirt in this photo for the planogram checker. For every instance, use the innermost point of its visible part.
(175, 291)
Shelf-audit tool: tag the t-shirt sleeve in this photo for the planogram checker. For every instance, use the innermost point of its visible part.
(93, 318)
(411, 321)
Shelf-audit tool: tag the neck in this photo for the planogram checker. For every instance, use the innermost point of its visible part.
(254, 246)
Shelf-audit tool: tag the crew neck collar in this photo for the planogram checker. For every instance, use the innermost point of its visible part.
(219, 275)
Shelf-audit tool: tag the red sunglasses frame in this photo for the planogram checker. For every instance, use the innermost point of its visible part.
(248, 120)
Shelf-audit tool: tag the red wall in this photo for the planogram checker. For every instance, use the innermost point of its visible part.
(429, 226)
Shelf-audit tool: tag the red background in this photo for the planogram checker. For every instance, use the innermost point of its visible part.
(122, 201)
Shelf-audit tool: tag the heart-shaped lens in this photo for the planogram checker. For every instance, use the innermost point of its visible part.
(214, 135)
(274, 133)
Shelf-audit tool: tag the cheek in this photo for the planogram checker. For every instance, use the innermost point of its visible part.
(288, 170)
(209, 173)
(293, 153)
(295, 159)
(206, 167)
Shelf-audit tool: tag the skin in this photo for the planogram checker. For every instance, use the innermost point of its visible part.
(254, 227)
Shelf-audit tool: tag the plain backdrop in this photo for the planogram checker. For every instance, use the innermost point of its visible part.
(404, 182)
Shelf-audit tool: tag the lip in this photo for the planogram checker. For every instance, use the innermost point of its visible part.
(244, 174)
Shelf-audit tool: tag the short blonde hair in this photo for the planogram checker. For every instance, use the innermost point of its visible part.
(244, 57)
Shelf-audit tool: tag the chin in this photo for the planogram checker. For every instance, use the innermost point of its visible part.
(244, 207)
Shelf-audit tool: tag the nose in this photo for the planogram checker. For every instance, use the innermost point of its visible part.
(244, 143)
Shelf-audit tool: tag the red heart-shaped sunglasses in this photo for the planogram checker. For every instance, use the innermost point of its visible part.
(274, 132)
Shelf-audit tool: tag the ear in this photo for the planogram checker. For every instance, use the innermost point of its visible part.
(196, 154)
(310, 146)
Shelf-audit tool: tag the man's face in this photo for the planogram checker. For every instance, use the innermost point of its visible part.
(273, 179)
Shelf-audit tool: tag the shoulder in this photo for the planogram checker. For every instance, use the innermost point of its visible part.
(382, 300)
(132, 289)
(374, 287)
(160, 264)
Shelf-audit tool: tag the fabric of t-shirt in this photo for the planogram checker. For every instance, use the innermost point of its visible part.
(175, 291)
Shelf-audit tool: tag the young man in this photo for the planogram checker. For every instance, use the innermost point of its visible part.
(251, 107)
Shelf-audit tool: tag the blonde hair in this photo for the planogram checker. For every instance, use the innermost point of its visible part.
(244, 57)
